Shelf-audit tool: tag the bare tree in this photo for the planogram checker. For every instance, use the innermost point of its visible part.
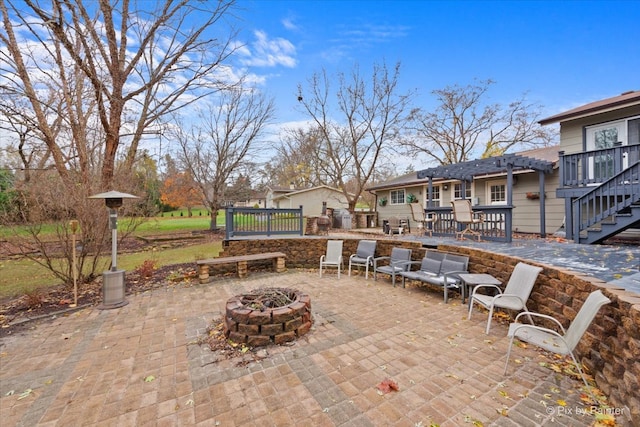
(138, 65)
(298, 161)
(463, 126)
(216, 149)
(354, 130)
(81, 84)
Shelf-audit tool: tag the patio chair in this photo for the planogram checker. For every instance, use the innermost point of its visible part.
(563, 342)
(365, 252)
(515, 294)
(423, 218)
(395, 226)
(400, 260)
(333, 257)
(463, 214)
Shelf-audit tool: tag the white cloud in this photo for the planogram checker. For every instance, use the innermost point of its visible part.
(360, 38)
(289, 24)
(265, 52)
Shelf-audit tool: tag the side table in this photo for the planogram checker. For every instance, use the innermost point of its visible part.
(473, 279)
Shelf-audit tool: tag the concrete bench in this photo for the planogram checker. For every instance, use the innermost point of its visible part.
(241, 262)
(440, 269)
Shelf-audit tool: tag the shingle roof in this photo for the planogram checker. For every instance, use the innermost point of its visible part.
(627, 98)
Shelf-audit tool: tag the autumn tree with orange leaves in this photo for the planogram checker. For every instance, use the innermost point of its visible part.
(180, 190)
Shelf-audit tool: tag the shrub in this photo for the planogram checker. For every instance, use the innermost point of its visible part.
(33, 299)
(147, 268)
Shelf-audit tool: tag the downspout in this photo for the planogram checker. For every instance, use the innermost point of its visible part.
(543, 220)
(508, 229)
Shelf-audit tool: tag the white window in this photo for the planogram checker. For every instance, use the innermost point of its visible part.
(435, 196)
(497, 192)
(397, 197)
(607, 135)
(457, 191)
(633, 134)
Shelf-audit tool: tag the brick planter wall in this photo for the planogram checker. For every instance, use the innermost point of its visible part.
(610, 348)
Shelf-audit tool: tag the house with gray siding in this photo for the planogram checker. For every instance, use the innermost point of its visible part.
(599, 167)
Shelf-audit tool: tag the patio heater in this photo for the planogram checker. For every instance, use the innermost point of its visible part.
(113, 290)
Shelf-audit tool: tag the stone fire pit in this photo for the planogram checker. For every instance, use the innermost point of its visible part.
(268, 316)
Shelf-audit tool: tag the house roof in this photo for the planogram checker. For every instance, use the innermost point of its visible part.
(277, 189)
(305, 190)
(537, 159)
(626, 99)
(407, 179)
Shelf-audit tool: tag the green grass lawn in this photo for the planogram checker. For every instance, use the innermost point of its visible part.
(162, 223)
(20, 276)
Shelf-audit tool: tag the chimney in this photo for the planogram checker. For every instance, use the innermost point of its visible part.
(291, 186)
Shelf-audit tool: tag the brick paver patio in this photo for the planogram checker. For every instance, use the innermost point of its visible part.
(141, 365)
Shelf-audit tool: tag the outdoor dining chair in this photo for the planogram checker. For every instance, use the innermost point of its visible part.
(562, 342)
(333, 256)
(515, 294)
(400, 260)
(365, 252)
(423, 218)
(395, 226)
(465, 215)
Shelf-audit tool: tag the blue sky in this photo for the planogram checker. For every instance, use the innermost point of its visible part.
(561, 53)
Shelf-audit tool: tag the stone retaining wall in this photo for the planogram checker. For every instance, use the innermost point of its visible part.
(610, 348)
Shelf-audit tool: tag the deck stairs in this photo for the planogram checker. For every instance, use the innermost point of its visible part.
(608, 209)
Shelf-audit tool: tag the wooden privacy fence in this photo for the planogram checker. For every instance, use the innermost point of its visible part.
(263, 222)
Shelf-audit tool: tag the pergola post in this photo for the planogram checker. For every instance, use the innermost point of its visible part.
(508, 221)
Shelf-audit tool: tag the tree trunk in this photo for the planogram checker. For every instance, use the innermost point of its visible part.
(214, 214)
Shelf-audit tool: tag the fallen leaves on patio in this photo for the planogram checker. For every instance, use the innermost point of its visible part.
(603, 419)
(475, 422)
(387, 386)
(25, 394)
(565, 366)
(226, 349)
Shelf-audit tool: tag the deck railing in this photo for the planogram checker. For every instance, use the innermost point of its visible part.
(497, 223)
(596, 166)
(263, 222)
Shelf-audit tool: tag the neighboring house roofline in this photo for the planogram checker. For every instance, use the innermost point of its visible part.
(304, 190)
(401, 181)
(624, 100)
(280, 189)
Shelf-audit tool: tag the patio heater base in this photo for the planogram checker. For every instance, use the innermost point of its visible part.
(112, 290)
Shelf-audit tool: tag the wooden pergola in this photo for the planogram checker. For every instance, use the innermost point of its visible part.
(467, 171)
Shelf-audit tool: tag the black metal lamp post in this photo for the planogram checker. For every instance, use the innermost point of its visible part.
(113, 290)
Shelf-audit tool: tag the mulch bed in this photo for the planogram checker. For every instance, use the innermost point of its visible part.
(16, 313)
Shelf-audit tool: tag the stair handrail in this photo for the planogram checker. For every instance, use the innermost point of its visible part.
(628, 181)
